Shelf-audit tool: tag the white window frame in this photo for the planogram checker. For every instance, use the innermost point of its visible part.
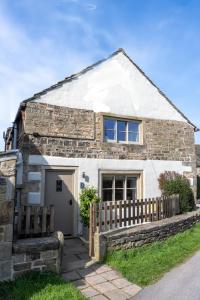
(127, 131)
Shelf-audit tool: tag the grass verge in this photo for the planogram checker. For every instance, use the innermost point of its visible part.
(39, 286)
(146, 264)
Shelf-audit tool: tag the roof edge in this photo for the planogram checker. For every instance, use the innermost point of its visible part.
(85, 70)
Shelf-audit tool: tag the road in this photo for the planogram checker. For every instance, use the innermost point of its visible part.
(181, 283)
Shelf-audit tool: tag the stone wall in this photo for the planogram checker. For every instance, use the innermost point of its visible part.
(77, 133)
(7, 194)
(37, 254)
(143, 234)
(61, 131)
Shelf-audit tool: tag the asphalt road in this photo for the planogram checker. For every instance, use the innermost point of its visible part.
(181, 283)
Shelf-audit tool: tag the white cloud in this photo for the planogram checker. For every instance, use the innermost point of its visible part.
(28, 65)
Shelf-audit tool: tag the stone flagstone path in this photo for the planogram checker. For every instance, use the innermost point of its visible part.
(95, 281)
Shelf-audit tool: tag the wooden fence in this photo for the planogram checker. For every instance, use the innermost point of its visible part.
(112, 215)
(33, 221)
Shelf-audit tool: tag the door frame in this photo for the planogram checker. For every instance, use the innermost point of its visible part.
(75, 191)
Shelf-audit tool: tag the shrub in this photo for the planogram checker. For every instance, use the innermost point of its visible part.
(198, 187)
(87, 196)
(172, 183)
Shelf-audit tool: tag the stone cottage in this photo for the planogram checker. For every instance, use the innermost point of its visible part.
(108, 126)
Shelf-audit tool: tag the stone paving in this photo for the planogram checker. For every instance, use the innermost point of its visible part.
(95, 281)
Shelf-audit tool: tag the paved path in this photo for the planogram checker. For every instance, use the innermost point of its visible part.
(182, 283)
(95, 281)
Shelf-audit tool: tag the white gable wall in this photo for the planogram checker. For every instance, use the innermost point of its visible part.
(114, 86)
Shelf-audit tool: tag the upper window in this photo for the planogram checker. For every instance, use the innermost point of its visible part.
(121, 130)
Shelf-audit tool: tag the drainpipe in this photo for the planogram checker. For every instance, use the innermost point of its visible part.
(15, 136)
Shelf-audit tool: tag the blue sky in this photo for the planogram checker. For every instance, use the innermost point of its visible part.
(43, 41)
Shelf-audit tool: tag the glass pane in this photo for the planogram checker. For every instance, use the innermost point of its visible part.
(109, 134)
(107, 195)
(133, 136)
(133, 126)
(121, 136)
(131, 182)
(109, 124)
(119, 195)
(121, 125)
(131, 194)
(58, 185)
(119, 182)
(121, 130)
(107, 182)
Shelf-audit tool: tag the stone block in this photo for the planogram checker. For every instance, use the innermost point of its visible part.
(95, 279)
(121, 283)
(34, 245)
(132, 290)
(89, 292)
(19, 258)
(116, 294)
(49, 254)
(5, 250)
(6, 212)
(22, 266)
(5, 270)
(105, 287)
(6, 233)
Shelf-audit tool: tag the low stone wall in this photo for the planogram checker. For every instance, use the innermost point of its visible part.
(7, 193)
(143, 234)
(36, 254)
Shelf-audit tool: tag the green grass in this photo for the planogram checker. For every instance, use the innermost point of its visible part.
(39, 286)
(146, 264)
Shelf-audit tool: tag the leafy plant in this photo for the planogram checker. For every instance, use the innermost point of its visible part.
(87, 196)
(172, 183)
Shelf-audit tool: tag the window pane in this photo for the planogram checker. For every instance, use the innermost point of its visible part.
(131, 194)
(109, 129)
(109, 124)
(121, 130)
(133, 136)
(121, 125)
(107, 182)
(119, 194)
(107, 195)
(121, 136)
(133, 126)
(119, 182)
(131, 182)
(109, 135)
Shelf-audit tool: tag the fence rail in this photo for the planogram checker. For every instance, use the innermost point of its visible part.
(34, 221)
(111, 215)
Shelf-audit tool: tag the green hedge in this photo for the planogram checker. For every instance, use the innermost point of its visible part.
(172, 183)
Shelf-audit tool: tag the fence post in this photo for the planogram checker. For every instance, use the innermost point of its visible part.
(91, 237)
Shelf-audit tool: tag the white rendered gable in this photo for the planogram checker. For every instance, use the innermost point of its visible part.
(114, 86)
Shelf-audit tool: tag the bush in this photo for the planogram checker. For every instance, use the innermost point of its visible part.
(198, 187)
(172, 183)
(87, 196)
